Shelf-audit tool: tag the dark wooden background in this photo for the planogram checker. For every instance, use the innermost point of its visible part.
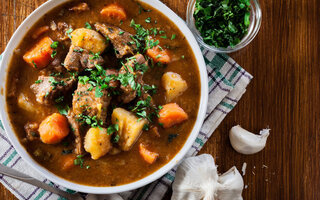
(284, 95)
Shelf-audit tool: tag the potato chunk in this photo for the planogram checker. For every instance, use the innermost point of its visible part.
(130, 127)
(174, 85)
(88, 39)
(97, 142)
(25, 104)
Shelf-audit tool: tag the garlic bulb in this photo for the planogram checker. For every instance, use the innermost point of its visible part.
(246, 142)
(231, 185)
(197, 178)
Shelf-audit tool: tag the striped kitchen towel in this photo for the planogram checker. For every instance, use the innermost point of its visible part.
(227, 83)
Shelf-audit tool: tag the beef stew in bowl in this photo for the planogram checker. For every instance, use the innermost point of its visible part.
(108, 90)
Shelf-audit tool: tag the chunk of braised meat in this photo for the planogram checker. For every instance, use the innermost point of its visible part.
(60, 30)
(54, 67)
(85, 102)
(79, 59)
(48, 88)
(113, 83)
(129, 93)
(121, 40)
(90, 61)
(31, 129)
(76, 130)
(81, 7)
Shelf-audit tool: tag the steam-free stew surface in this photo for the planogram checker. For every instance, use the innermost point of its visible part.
(126, 166)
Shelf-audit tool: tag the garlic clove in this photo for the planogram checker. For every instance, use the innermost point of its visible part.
(230, 185)
(196, 178)
(246, 142)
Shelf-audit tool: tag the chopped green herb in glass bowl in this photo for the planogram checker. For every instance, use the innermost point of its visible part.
(224, 26)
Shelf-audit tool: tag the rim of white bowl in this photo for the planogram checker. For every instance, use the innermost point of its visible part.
(15, 41)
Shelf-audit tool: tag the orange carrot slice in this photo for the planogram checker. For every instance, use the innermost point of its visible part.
(53, 129)
(39, 56)
(114, 11)
(159, 55)
(172, 114)
(67, 162)
(149, 156)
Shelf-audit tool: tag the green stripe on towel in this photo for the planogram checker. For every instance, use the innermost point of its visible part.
(6, 162)
(227, 105)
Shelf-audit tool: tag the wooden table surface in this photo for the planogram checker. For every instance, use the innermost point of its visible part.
(284, 95)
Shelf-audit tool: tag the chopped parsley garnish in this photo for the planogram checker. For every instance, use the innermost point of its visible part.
(148, 20)
(95, 56)
(98, 92)
(127, 79)
(56, 74)
(112, 129)
(154, 31)
(34, 64)
(143, 36)
(87, 25)
(68, 32)
(151, 89)
(79, 160)
(182, 56)
(222, 23)
(54, 45)
(63, 109)
(56, 83)
(142, 9)
(173, 36)
(150, 43)
(164, 36)
(78, 50)
(146, 127)
(98, 79)
(116, 139)
(141, 67)
(38, 81)
(53, 54)
(145, 109)
(121, 32)
(83, 79)
(91, 121)
(171, 137)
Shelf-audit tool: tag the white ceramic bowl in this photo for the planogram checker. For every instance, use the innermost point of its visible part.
(15, 41)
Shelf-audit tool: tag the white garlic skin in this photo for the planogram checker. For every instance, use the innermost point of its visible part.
(197, 179)
(230, 185)
(246, 142)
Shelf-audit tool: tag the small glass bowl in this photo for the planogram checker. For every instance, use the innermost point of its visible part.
(253, 29)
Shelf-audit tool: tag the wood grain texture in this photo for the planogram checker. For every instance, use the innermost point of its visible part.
(284, 95)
